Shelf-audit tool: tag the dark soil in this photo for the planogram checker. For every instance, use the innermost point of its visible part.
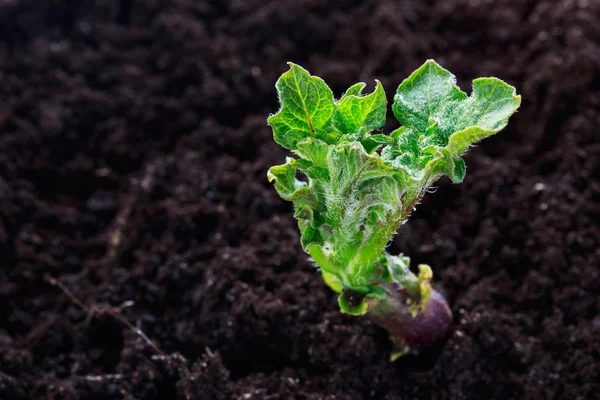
(133, 158)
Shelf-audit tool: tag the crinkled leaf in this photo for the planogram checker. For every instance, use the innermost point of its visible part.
(364, 195)
(483, 114)
(313, 150)
(304, 197)
(286, 184)
(314, 158)
(440, 122)
(310, 236)
(359, 114)
(306, 109)
(350, 163)
(373, 142)
(409, 153)
(423, 93)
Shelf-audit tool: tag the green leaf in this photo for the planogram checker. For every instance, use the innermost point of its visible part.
(310, 236)
(430, 103)
(313, 150)
(459, 170)
(321, 258)
(373, 142)
(285, 180)
(290, 188)
(440, 122)
(423, 93)
(362, 199)
(381, 139)
(306, 109)
(355, 90)
(332, 281)
(360, 114)
(483, 114)
(356, 196)
(314, 158)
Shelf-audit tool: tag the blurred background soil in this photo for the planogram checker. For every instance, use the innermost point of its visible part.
(133, 158)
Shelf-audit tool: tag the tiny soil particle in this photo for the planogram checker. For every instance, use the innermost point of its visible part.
(145, 121)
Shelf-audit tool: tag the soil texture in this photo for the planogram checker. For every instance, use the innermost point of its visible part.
(144, 255)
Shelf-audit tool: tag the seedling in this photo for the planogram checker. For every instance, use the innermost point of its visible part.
(353, 188)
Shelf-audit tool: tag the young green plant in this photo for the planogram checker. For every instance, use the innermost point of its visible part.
(352, 187)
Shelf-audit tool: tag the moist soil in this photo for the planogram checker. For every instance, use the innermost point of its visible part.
(144, 255)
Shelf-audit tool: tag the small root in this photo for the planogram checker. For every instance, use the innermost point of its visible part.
(115, 312)
(141, 188)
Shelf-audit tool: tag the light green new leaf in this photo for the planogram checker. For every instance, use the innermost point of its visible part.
(310, 236)
(306, 109)
(452, 166)
(314, 158)
(332, 281)
(285, 180)
(360, 114)
(313, 150)
(304, 197)
(290, 188)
